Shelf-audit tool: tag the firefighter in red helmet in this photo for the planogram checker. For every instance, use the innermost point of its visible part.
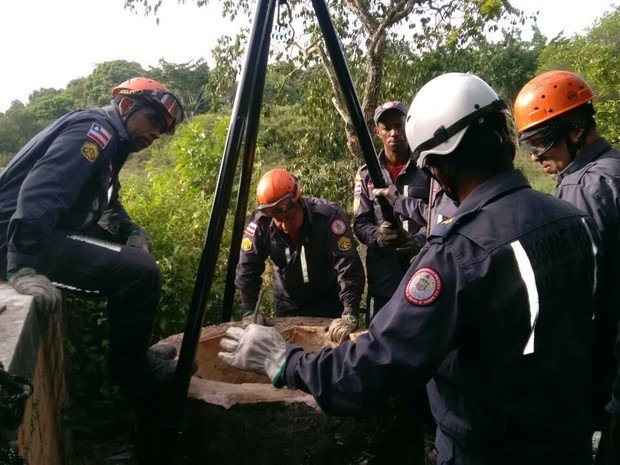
(554, 114)
(62, 224)
(317, 271)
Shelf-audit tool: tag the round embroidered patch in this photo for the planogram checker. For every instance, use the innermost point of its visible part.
(246, 244)
(344, 244)
(338, 227)
(424, 287)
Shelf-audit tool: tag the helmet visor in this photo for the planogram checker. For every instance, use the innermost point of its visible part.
(539, 141)
(168, 105)
(279, 207)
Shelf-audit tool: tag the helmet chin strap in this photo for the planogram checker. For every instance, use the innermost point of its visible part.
(446, 185)
(135, 106)
(574, 147)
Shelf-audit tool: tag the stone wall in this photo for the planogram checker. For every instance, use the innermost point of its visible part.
(33, 348)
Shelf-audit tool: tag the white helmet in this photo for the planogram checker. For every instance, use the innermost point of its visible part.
(442, 111)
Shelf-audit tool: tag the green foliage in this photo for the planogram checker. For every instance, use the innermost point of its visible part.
(187, 81)
(222, 83)
(173, 205)
(107, 75)
(97, 407)
(48, 108)
(17, 126)
(331, 180)
(539, 180)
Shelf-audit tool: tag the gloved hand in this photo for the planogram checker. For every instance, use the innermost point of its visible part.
(164, 351)
(390, 193)
(46, 297)
(385, 234)
(257, 348)
(405, 244)
(139, 239)
(340, 328)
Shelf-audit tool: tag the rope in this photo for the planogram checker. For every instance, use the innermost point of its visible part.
(14, 391)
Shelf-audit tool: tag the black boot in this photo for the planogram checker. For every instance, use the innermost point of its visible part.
(131, 364)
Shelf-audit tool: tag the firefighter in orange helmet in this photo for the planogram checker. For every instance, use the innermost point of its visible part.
(317, 270)
(554, 114)
(62, 222)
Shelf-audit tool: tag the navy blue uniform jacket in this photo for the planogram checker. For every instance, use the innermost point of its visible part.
(321, 277)
(591, 182)
(496, 312)
(384, 266)
(61, 182)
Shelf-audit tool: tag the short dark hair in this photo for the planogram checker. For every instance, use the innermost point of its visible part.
(487, 148)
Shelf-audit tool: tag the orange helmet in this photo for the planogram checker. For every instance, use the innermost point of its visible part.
(549, 95)
(157, 95)
(275, 186)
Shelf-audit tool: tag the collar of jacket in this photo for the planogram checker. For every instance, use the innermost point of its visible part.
(384, 170)
(492, 189)
(587, 156)
(114, 117)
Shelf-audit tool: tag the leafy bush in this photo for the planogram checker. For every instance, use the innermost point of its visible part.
(174, 206)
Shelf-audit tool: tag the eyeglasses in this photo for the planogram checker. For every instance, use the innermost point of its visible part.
(538, 143)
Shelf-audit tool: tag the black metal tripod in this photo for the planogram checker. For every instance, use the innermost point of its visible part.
(244, 126)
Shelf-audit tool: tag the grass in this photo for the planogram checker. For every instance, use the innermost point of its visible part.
(539, 180)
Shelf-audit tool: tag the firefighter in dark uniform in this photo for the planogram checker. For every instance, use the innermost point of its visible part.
(318, 271)
(388, 246)
(61, 220)
(494, 312)
(555, 119)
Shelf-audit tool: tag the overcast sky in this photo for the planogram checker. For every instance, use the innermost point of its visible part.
(48, 43)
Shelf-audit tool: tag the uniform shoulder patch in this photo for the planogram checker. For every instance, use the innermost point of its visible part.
(344, 244)
(338, 227)
(246, 244)
(90, 151)
(357, 189)
(99, 134)
(251, 229)
(423, 287)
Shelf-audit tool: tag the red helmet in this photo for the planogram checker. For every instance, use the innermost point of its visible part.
(549, 95)
(158, 95)
(275, 186)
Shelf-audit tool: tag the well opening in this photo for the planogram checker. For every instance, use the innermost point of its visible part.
(237, 417)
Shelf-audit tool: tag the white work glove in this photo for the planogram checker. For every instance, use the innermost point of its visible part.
(139, 239)
(256, 348)
(26, 281)
(390, 193)
(340, 328)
